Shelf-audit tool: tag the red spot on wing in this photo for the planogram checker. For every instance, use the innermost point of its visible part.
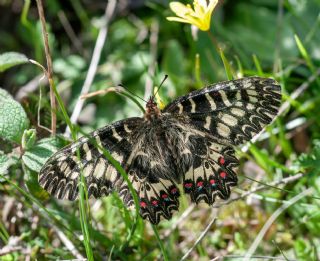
(222, 161)
(164, 196)
(188, 185)
(200, 183)
(223, 174)
(212, 182)
(174, 191)
(143, 204)
(155, 202)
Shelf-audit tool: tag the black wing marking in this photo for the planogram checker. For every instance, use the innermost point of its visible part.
(60, 174)
(157, 199)
(213, 171)
(234, 110)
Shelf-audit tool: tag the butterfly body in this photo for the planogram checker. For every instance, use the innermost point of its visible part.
(190, 142)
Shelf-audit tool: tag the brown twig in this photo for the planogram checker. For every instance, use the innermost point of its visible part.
(100, 92)
(49, 70)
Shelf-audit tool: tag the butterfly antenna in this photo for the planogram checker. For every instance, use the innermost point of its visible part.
(131, 92)
(164, 79)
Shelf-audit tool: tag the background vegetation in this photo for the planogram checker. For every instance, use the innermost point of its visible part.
(275, 213)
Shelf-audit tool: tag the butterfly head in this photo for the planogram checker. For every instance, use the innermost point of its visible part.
(152, 110)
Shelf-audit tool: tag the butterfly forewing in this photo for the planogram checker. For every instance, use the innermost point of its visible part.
(233, 110)
(60, 175)
(190, 142)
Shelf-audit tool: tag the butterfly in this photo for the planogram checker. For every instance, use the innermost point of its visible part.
(186, 147)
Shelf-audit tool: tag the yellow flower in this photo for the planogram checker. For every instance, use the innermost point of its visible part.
(200, 16)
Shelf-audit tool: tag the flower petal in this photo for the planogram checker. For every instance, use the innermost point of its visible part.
(212, 5)
(187, 21)
(200, 7)
(178, 19)
(200, 16)
(180, 9)
(202, 3)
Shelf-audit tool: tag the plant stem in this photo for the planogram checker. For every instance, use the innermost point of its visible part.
(49, 70)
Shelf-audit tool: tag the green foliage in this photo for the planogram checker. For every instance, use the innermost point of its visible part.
(310, 162)
(10, 59)
(304, 250)
(276, 39)
(28, 139)
(6, 161)
(37, 155)
(13, 119)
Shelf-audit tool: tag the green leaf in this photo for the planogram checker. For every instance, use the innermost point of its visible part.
(13, 119)
(5, 163)
(35, 157)
(10, 59)
(303, 249)
(29, 138)
(31, 180)
(310, 163)
(4, 95)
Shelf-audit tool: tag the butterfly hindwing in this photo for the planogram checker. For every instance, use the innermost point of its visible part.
(157, 199)
(60, 175)
(212, 173)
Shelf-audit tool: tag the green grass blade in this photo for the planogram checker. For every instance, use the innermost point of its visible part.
(226, 64)
(4, 235)
(304, 53)
(82, 198)
(163, 250)
(258, 65)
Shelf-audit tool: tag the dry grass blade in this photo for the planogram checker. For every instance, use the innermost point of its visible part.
(203, 234)
(271, 220)
(101, 39)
